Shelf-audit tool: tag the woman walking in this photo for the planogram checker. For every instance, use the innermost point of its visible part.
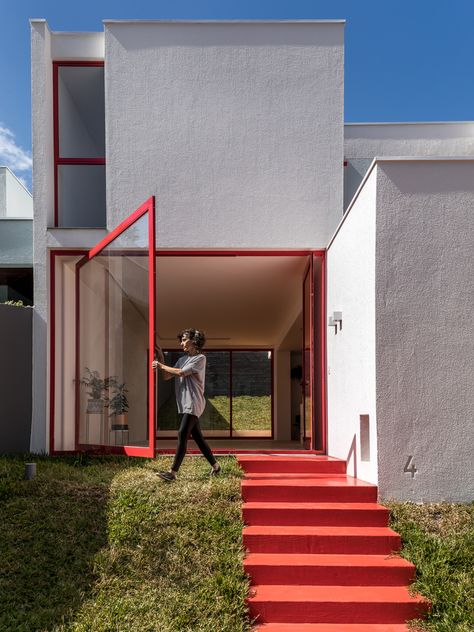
(190, 374)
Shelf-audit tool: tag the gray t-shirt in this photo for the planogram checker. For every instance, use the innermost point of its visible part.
(189, 388)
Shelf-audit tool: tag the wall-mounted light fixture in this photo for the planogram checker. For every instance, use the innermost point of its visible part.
(338, 318)
(334, 320)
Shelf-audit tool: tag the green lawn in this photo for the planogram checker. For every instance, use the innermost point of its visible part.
(439, 540)
(104, 545)
(248, 413)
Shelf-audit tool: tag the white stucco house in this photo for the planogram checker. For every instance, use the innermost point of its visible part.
(16, 239)
(201, 174)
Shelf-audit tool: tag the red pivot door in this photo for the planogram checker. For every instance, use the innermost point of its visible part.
(115, 328)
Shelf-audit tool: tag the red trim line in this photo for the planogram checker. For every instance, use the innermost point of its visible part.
(55, 140)
(237, 253)
(81, 161)
(99, 451)
(323, 354)
(52, 351)
(59, 62)
(151, 324)
(311, 355)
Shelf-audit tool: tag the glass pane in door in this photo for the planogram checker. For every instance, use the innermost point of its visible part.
(114, 391)
(252, 393)
(215, 420)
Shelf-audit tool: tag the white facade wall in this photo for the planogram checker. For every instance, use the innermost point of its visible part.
(365, 141)
(368, 140)
(15, 199)
(425, 338)
(46, 47)
(238, 126)
(16, 214)
(43, 162)
(351, 352)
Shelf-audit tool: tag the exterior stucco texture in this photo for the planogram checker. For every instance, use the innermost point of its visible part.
(424, 333)
(237, 128)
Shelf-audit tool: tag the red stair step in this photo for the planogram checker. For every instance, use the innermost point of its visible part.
(289, 476)
(334, 604)
(340, 570)
(349, 540)
(308, 464)
(306, 514)
(332, 627)
(326, 489)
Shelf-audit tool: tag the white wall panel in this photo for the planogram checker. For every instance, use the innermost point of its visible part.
(425, 338)
(351, 352)
(237, 128)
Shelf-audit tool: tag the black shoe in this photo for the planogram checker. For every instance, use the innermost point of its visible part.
(167, 476)
(214, 472)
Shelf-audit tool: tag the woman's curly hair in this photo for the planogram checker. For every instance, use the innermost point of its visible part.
(196, 336)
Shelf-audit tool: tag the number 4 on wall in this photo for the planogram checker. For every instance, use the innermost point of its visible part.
(410, 467)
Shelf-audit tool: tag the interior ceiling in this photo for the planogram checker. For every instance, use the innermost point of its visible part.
(239, 301)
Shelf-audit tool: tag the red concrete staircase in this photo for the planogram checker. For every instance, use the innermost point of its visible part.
(320, 553)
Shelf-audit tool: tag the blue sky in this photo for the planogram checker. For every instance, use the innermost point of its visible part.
(405, 60)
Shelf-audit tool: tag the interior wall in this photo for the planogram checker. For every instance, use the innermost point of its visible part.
(93, 343)
(351, 397)
(65, 354)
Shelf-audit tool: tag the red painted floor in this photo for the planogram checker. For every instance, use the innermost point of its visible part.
(321, 557)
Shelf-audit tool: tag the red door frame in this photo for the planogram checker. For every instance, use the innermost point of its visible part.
(319, 426)
(317, 356)
(309, 271)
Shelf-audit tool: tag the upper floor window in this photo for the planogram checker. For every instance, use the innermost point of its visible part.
(79, 144)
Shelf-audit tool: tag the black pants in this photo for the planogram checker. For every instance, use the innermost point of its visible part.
(190, 427)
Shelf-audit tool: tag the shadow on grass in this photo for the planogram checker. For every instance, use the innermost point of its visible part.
(51, 529)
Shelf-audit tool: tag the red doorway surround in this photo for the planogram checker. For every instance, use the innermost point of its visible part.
(319, 422)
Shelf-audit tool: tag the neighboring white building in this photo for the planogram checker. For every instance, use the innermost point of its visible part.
(237, 129)
(16, 239)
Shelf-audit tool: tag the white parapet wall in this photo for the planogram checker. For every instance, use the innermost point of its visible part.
(352, 433)
(364, 141)
(15, 199)
(425, 337)
(236, 127)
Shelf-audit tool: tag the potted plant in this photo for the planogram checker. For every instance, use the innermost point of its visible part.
(95, 389)
(118, 406)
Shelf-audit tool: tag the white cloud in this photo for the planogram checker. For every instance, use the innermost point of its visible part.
(11, 155)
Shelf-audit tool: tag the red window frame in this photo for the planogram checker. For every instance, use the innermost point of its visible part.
(230, 351)
(62, 160)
